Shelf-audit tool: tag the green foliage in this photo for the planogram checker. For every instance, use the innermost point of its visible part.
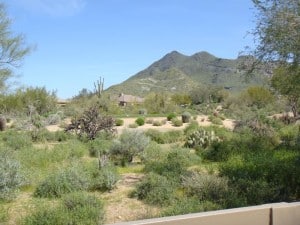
(215, 120)
(171, 116)
(99, 146)
(201, 138)
(177, 122)
(164, 137)
(206, 187)
(193, 126)
(264, 177)
(13, 49)
(155, 189)
(189, 205)
(11, 178)
(172, 165)
(129, 145)
(289, 136)
(29, 101)
(186, 116)
(119, 122)
(62, 182)
(103, 178)
(140, 121)
(16, 140)
(258, 96)
(75, 208)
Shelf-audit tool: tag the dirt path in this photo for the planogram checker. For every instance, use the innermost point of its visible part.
(120, 207)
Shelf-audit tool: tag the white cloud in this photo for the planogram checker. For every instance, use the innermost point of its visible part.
(52, 7)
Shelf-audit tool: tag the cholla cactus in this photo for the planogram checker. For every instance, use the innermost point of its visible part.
(201, 138)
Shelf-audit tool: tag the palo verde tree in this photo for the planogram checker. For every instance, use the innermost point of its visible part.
(277, 37)
(12, 49)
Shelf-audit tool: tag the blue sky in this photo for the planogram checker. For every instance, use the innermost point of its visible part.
(77, 41)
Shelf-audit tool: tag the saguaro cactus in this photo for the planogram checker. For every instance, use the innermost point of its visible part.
(99, 86)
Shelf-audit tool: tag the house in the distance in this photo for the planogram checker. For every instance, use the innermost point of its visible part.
(129, 100)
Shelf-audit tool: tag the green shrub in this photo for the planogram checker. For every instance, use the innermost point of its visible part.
(143, 111)
(193, 126)
(186, 117)
(129, 145)
(11, 178)
(266, 176)
(176, 122)
(99, 146)
(153, 153)
(171, 116)
(62, 182)
(189, 205)
(104, 178)
(206, 187)
(215, 120)
(156, 136)
(119, 122)
(76, 208)
(155, 189)
(16, 140)
(289, 136)
(140, 121)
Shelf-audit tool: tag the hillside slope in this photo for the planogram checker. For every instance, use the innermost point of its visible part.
(179, 73)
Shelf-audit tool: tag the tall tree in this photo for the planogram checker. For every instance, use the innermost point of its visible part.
(277, 37)
(12, 49)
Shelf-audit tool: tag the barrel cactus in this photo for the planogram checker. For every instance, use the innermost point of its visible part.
(201, 138)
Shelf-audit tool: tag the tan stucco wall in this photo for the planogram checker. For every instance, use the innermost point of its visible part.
(270, 214)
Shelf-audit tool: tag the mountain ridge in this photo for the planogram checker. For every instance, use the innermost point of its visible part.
(176, 72)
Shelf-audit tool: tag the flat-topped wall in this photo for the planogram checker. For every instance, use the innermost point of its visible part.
(269, 214)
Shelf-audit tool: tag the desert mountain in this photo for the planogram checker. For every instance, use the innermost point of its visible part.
(176, 72)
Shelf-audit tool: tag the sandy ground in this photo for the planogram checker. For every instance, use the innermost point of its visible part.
(201, 119)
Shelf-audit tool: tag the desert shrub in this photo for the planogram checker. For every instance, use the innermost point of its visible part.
(289, 135)
(153, 153)
(133, 125)
(119, 122)
(99, 146)
(76, 208)
(155, 135)
(215, 120)
(156, 123)
(164, 137)
(206, 187)
(4, 213)
(171, 116)
(193, 126)
(143, 111)
(103, 178)
(140, 121)
(155, 189)
(16, 140)
(201, 138)
(173, 165)
(129, 145)
(186, 117)
(264, 177)
(62, 182)
(53, 119)
(177, 122)
(11, 178)
(188, 205)
(149, 121)
(29, 100)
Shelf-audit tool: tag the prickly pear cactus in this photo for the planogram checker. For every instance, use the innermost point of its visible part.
(201, 138)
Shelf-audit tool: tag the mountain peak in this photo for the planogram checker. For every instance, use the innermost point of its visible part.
(203, 55)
